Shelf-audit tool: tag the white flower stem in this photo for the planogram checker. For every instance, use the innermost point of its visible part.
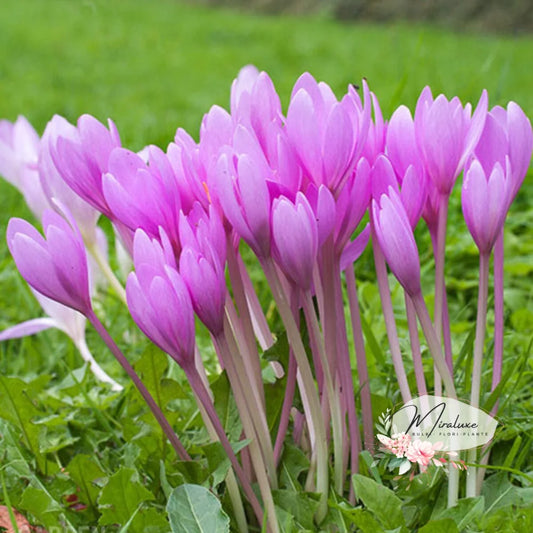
(307, 386)
(106, 270)
(390, 323)
(484, 260)
(335, 411)
(231, 481)
(95, 368)
(262, 468)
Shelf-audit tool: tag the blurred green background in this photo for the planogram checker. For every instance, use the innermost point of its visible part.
(155, 65)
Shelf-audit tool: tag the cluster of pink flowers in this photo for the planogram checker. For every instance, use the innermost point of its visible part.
(295, 188)
(421, 452)
(398, 444)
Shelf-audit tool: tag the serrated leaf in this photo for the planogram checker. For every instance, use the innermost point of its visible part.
(41, 505)
(194, 509)
(380, 500)
(121, 497)
(18, 408)
(84, 471)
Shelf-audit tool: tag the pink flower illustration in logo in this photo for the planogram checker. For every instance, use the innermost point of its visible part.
(423, 453)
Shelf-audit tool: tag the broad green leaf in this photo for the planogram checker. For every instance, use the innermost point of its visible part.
(36, 497)
(293, 463)
(499, 492)
(227, 408)
(380, 500)
(41, 505)
(508, 520)
(445, 525)
(84, 471)
(218, 462)
(366, 460)
(193, 472)
(363, 519)
(18, 408)
(274, 397)
(372, 342)
(194, 509)
(301, 505)
(465, 512)
(121, 497)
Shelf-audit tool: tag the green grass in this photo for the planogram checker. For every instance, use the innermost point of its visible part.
(155, 66)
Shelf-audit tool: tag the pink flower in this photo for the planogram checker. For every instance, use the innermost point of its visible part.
(81, 154)
(19, 149)
(398, 444)
(295, 251)
(396, 239)
(54, 265)
(447, 133)
(327, 135)
(423, 452)
(158, 299)
(485, 200)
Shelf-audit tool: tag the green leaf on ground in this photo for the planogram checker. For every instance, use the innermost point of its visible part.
(19, 409)
(465, 512)
(301, 505)
(84, 471)
(194, 509)
(41, 505)
(122, 497)
(380, 500)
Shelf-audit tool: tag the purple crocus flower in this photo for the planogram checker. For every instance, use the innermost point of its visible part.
(53, 184)
(81, 156)
(256, 104)
(447, 134)
(55, 266)
(485, 201)
(216, 132)
(396, 240)
(276, 160)
(352, 203)
(239, 186)
(19, 151)
(323, 204)
(507, 134)
(328, 135)
(184, 157)
(142, 195)
(296, 250)
(201, 265)
(400, 145)
(413, 190)
(377, 131)
(158, 299)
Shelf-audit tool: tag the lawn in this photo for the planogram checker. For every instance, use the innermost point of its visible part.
(154, 66)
